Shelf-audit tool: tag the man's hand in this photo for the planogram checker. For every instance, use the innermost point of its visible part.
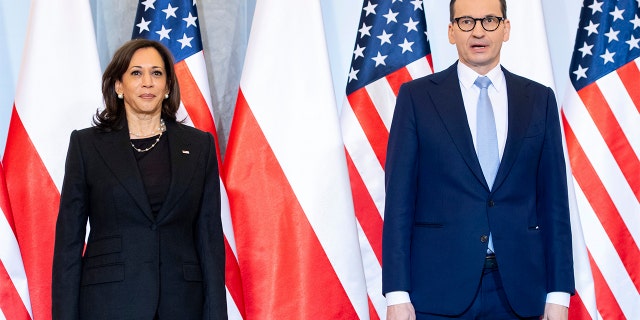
(554, 311)
(403, 311)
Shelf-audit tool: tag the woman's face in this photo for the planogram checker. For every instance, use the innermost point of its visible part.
(144, 84)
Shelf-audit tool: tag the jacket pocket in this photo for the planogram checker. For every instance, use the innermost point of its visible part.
(103, 252)
(103, 274)
(192, 272)
(104, 246)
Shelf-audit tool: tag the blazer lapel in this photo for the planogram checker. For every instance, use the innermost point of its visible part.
(450, 106)
(520, 109)
(115, 149)
(184, 156)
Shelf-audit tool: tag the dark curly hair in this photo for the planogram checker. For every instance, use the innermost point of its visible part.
(113, 115)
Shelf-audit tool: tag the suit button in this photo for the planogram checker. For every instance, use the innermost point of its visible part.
(484, 238)
(491, 203)
(154, 227)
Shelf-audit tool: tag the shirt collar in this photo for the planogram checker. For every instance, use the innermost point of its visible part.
(468, 76)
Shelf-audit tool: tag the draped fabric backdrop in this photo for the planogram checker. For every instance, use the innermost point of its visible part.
(226, 25)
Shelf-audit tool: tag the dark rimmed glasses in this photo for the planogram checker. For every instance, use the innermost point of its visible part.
(489, 23)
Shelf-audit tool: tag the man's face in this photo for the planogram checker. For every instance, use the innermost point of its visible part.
(479, 49)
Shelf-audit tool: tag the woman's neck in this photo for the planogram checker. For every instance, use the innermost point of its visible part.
(145, 127)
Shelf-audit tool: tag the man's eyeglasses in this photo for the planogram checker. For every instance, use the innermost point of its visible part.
(489, 23)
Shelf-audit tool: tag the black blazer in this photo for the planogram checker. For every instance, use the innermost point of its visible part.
(135, 264)
(439, 209)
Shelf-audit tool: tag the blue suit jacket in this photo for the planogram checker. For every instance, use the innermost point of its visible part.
(439, 208)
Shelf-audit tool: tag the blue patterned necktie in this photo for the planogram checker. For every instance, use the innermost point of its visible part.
(486, 135)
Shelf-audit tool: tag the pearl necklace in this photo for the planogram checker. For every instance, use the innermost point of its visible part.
(162, 129)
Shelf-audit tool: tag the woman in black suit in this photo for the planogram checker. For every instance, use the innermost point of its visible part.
(149, 187)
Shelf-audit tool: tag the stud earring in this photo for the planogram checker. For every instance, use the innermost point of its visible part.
(120, 96)
(166, 96)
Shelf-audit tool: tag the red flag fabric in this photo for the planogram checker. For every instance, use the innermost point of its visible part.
(287, 177)
(391, 48)
(175, 24)
(601, 116)
(58, 90)
(14, 291)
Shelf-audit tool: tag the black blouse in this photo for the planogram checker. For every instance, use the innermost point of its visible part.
(155, 168)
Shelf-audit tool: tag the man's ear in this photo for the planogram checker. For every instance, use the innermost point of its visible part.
(507, 30)
(452, 40)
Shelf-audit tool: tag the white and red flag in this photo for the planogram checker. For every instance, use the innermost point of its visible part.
(176, 25)
(391, 48)
(14, 291)
(58, 91)
(601, 117)
(287, 177)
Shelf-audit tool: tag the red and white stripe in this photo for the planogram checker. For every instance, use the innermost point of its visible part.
(14, 291)
(602, 126)
(287, 177)
(365, 121)
(58, 90)
(582, 304)
(197, 110)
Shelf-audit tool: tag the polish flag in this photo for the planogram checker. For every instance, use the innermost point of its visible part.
(286, 175)
(58, 91)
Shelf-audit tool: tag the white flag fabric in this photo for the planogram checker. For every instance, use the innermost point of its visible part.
(58, 91)
(527, 51)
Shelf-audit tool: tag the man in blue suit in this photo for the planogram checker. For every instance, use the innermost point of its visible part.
(476, 217)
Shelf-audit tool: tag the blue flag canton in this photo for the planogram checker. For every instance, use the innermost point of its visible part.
(608, 37)
(391, 34)
(173, 23)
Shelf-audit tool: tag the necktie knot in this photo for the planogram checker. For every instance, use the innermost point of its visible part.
(483, 82)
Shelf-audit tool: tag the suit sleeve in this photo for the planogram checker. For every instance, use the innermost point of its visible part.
(211, 240)
(553, 205)
(69, 236)
(400, 189)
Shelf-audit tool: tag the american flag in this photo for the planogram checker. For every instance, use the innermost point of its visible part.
(175, 24)
(391, 48)
(601, 117)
